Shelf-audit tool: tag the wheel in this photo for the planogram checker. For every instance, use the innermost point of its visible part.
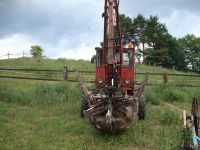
(84, 106)
(141, 107)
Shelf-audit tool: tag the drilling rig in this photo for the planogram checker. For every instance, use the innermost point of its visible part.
(116, 101)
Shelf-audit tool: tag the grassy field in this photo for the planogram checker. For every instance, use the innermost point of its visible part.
(38, 115)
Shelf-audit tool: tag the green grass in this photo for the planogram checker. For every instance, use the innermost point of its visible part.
(47, 64)
(179, 80)
(45, 115)
(71, 64)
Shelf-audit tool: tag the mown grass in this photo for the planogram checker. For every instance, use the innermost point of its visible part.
(45, 115)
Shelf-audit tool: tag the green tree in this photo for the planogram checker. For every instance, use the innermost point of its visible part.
(176, 54)
(93, 59)
(158, 57)
(156, 36)
(155, 32)
(139, 24)
(161, 48)
(36, 51)
(168, 54)
(190, 44)
(128, 30)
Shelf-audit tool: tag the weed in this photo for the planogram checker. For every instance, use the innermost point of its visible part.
(152, 96)
(170, 117)
(171, 94)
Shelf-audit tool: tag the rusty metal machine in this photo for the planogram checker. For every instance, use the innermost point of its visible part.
(116, 102)
(191, 127)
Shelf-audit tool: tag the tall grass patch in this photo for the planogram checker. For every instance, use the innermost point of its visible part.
(57, 94)
(170, 117)
(153, 96)
(169, 93)
(11, 94)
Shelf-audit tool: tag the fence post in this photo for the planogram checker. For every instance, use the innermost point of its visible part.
(23, 54)
(165, 79)
(65, 76)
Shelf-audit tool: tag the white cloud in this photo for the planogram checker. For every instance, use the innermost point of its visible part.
(83, 52)
(14, 44)
(182, 22)
(72, 29)
(17, 43)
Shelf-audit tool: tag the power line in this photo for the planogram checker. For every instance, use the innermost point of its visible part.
(23, 54)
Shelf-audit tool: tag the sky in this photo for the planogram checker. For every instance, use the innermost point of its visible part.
(73, 28)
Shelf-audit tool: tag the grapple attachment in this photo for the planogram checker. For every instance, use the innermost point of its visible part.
(110, 109)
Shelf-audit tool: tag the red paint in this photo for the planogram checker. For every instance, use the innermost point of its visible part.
(110, 51)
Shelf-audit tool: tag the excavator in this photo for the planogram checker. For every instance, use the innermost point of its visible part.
(117, 101)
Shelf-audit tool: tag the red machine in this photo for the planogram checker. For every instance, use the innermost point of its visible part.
(114, 64)
(116, 102)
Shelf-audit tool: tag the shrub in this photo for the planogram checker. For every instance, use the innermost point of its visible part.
(13, 95)
(170, 117)
(57, 93)
(171, 94)
(152, 96)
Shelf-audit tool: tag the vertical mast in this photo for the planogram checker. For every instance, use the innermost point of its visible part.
(112, 50)
(105, 15)
(110, 15)
(111, 31)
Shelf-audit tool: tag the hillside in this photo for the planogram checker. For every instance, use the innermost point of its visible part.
(59, 64)
(45, 115)
(72, 64)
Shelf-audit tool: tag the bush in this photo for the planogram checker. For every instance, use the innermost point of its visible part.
(171, 94)
(46, 94)
(170, 117)
(13, 95)
(152, 96)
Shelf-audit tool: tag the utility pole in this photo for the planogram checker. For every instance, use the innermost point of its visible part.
(8, 55)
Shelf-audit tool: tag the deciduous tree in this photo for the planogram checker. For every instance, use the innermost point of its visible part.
(36, 51)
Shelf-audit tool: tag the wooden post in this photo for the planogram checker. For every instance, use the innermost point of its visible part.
(184, 119)
(165, 79)
(23, 54)
(138, 93)
(84, 88)
(65, 76)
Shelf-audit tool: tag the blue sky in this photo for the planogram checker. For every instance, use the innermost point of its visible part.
(72, 28)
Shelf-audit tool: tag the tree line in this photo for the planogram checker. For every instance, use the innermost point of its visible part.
(158, 46)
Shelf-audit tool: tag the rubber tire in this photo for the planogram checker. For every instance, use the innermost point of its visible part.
(141, 107)
(84, 106)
